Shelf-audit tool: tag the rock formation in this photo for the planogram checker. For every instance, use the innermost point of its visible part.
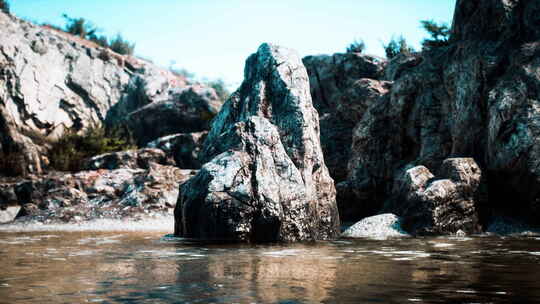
(51, 81)
(265, 179)
(476, 96)
(184, 148)
(88, 195)
(443, 205)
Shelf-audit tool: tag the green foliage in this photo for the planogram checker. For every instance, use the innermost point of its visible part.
(79, 27)
(358, 46)
(439, 33)
(182, 72)
(121, 46)
(4, 6)
(69, 152)
(219, 86)
(86, 30)
(396, 47)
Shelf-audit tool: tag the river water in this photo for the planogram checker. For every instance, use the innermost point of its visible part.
(150, 267)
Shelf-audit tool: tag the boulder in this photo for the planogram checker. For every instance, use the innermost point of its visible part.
(184, 148)
(442, 205)
(265, 179)
(131, 159)
(380, 227)
(186, 110)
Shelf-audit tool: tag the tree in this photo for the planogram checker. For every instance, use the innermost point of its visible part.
(358, 46)
(121, 46)
(80, 27)
(439, 33)
(397, 46)
(4, 6)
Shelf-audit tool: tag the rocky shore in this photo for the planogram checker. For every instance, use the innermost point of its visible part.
(444, 141)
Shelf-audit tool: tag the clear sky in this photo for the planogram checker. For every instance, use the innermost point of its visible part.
(212, 38)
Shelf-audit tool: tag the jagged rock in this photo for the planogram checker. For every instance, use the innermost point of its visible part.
(475, 96)
(132, 159)
(444, 205)
(88, 195)
(51, 82)
(184, 148)
(8, 214)
(382, 226)
(266, 179)
(186, 110)
(342, 87)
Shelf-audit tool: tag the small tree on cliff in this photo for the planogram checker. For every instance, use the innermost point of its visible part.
(79, 27)
(121, 46)
(439, 33)
(397, 46)
(358, 46)
(4, 6)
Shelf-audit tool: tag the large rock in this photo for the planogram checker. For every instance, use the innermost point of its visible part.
(51, 81)
(266, 179)
(443, 205)
(186, 110)
(476, 96)
(380, 227)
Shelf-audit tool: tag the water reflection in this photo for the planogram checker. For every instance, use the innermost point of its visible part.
(145, 268)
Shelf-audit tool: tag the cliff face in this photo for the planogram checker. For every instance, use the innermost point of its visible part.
(51, 82)
(478, 96)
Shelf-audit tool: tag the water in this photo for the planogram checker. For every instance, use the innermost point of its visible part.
(146, 267)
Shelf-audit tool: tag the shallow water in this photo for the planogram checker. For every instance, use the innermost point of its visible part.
(146, 267)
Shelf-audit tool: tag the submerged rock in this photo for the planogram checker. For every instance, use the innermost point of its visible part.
(382, 226)
(265, 179)
(443, 205)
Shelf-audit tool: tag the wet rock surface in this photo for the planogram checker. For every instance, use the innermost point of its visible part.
(103, 194)
(265, 179)
(382, 226)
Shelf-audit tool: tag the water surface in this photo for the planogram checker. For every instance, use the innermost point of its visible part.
(146, 267)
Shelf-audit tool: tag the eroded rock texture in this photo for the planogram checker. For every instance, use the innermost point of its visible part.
(265, 179)
(101, 194)
(51, 81)
(439, 205)
(477, 96)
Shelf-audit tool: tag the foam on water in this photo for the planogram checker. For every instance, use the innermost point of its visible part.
(164, 224)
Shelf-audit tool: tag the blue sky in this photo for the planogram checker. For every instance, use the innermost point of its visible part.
(212, 38)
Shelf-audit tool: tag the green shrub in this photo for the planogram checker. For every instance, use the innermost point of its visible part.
(79, 27)
(69, 152)
(4, 6)
(396, 47)
(358, 46)
(121, 46)
(439, 33)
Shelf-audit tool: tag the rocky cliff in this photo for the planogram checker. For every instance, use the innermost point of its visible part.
(51, 82)
(477, 97)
